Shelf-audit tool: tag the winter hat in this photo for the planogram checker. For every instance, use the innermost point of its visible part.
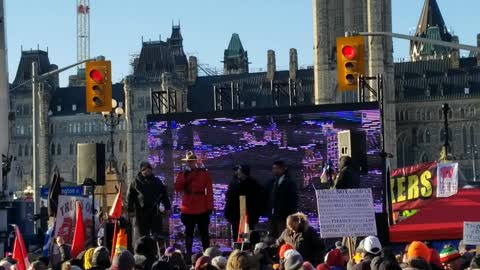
(161, 265)
(361, 247)
(372, 245)
(140, 261)
(338, 244)
(123, 260)
(449, 254)
(418, 249)
(145, 245)
(169, 251)
(308, 266)
(212, 252)
(202, 262)
(435, 258)
(294, 262)
(291, 252)
(323, 266)
(88, 258)
(144, 165)
(219, 262)
(195, 258)
(101, 257)
(335, 258)
(283, 249)
(475, 264)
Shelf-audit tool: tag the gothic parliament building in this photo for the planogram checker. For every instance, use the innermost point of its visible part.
(433, 76)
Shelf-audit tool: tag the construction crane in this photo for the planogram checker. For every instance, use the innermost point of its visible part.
(83, 31)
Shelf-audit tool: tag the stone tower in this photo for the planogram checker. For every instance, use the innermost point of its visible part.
(430, 25)
(331, 19)
(235, 59)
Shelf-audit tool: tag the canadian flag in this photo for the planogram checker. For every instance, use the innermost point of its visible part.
(20, 251)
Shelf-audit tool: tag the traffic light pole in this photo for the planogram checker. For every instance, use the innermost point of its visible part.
(35, 81)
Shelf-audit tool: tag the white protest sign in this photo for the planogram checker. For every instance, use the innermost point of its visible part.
(65, 220)
(471, 233)
(346, 212)
(447, 176)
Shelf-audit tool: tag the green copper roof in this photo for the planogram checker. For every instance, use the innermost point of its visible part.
(433, 32)
(235, 45)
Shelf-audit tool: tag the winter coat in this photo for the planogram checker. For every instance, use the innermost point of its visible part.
(364, 264)
(283, 198)
(197, 191)
(146, 193)
(418, 264)
(65, 252)
(306, 241)
(347, 177)
(253, 192)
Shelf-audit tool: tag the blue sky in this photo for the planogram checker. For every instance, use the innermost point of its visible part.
(117, 28)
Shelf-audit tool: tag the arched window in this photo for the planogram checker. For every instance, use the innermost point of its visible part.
(464, 138)
(26, 150)
(423, 116)
(124, 169)
(420, 137)
(429, 115)
(418, 115)
(472, 136)
(472, 111)
(406, 116)
(120, 146)
(71, 149)
(414, 136)
(20, 150)
(427, 136)
(59, 149)
(462, 113)
(52, 149)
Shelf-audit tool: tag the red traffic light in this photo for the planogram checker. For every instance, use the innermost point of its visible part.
(97, 75)
(349, 52)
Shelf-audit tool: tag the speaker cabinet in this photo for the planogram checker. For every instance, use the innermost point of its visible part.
(354, 145)
(91, 162)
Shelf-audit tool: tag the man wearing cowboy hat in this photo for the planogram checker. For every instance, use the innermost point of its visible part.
(195, 184)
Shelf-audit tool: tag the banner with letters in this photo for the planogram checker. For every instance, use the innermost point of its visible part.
(447, 174)
(65, 220)
(413, 186)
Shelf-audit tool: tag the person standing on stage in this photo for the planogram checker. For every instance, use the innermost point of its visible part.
(243, 185)
(148, 202)
(195, 185)
(283, 198)
(348, 177)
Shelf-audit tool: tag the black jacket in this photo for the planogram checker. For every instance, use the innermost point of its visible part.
(283, 198)
(255, 199)
(146, 193)
(348, 177)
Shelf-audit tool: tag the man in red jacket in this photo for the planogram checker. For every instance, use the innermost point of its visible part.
(195, 184)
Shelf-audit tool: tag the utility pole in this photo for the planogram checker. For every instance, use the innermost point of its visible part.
(4, 102)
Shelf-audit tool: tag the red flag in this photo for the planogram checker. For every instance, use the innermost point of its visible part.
(78, 243)
(116, 210)
(20, 251)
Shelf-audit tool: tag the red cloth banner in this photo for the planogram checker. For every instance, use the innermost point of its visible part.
(78, 243)
(412, 187)
(20, 251)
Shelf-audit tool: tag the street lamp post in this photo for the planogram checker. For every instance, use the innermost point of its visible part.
(446, 144)
(112, 119)
(472, 149)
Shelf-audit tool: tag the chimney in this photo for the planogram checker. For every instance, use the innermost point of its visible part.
(478, 54)
(192, 69)
(455, 54)
(271, 65)
(293, 66)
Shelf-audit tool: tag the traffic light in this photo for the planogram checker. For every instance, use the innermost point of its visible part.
(350, 61)
(98, 86)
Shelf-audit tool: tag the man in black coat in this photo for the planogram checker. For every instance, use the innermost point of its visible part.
(348, 177)
(283, 198)
(243, 185)
(148, 201)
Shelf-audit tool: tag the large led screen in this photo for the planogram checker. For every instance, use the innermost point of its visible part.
(305, 138)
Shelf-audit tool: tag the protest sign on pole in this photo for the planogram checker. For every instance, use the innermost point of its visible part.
(471, 233)
(346, 212)
(447, 174)
(65, 220)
